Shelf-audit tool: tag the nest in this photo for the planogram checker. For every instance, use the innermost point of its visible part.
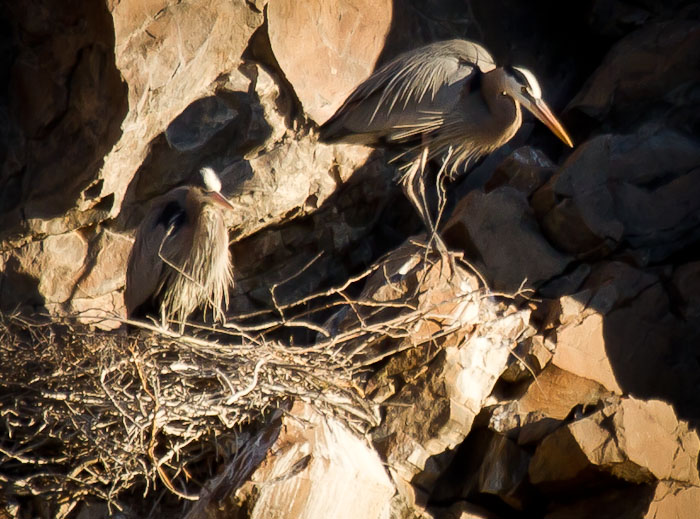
(111, 415)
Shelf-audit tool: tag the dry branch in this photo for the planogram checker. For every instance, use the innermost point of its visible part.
(96, 414)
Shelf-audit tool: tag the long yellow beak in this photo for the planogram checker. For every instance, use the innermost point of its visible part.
(540, 110)
(220, 199)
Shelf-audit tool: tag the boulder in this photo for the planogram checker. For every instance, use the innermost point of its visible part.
(640, 189)
(315, 467)
(499, 234)
(325, 50)
(638, 441)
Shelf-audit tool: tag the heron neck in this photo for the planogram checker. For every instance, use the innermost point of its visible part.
(506, 116)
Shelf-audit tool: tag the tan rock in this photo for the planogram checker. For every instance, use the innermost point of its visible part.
(326, 49)
(292, 177)
(166, 71)
(55, 263)
(639, 441)
(674, 501)
(581, 350)
(316, 468)
(437, 402)
(556, 392)
(651, 436)
(106, 272)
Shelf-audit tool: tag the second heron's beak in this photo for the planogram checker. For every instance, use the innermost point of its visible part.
(540, 110)
(220, 199)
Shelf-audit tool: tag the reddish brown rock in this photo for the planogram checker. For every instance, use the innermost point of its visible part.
(555, 392)
(326, 50)
(526, 169)
(634, 440)
(641, 70)
(686, 281)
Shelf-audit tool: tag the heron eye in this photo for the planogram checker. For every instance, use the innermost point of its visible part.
(504, 93)
(525, 90)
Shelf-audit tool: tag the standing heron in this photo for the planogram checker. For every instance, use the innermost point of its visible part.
(446, 99)
(180, 260)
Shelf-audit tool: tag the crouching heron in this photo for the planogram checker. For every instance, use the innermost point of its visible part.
(446, 99)
(180, 260)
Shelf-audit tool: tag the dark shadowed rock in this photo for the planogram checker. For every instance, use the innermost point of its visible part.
(650, 74)
(642, 190)
(526, 169)
(498, 231)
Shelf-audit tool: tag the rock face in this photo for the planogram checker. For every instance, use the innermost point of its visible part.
(547, 368)
(325, 50)
(315, 467)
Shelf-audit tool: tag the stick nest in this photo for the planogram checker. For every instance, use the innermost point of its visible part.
(111, 416)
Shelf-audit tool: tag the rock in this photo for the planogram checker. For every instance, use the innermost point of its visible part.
(615, 284)
(581, 350)
(293, 177)
(686, 282)
(326, 52)
(660, 339)
(555, 392)
(315, 468)
(496, 227)
(674, 501)
(664, 500)
(644, 75)
(629, 502)
(146, 74)
(642, 189)
(56, 263)
(526, 169)
(67, 101)
(463, 510)
(445, 394)
(504, 471)
(531, 357)
(634, 440)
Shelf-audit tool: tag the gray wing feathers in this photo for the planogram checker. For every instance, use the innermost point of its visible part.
(412, 90)
(145, 274)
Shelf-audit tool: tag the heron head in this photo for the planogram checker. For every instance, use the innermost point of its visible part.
(211, 185)
(522, 85)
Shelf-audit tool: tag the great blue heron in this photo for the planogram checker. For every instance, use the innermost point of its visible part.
(180, 260)
(446, 99)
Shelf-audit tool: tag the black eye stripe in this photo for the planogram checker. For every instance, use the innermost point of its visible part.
(519, 76)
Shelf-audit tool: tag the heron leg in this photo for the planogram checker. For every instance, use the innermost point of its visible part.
(413, 185)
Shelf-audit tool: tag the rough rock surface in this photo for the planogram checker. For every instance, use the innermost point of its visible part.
(316, 466)
(574, 397)
(325, 50)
